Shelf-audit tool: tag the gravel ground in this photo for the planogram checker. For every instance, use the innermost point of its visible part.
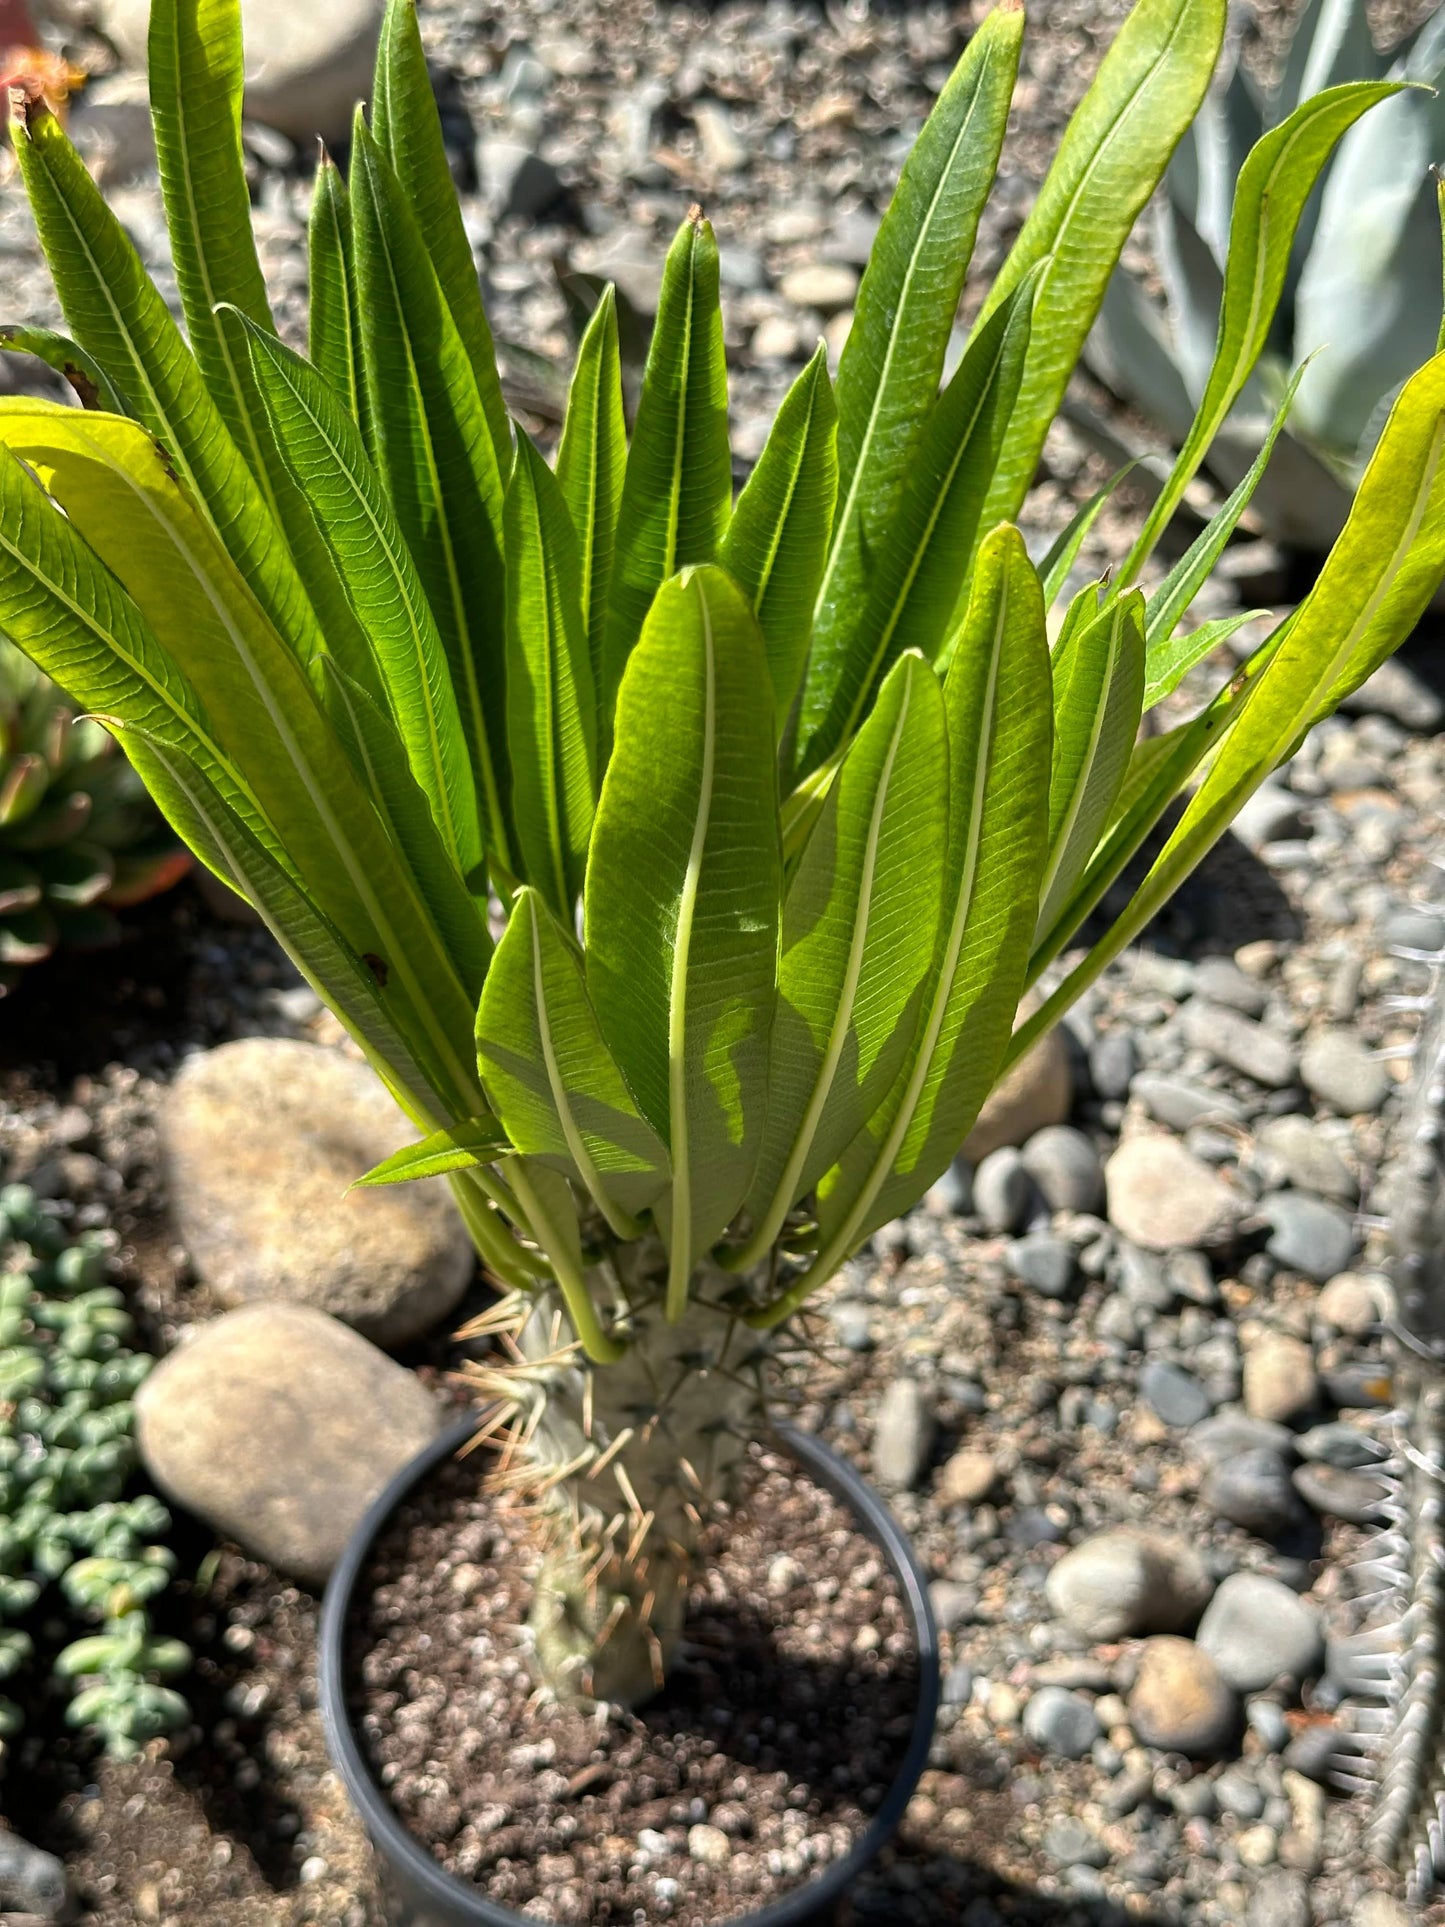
(1014, 1361)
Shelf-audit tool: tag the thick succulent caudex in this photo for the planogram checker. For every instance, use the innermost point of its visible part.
(1361, 295)
(67, 1384)
(779, 805)
(1394, 1666)
(79, 837)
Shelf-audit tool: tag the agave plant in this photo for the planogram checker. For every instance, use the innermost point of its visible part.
(1362, 290)
(79, 837)
(780, 806)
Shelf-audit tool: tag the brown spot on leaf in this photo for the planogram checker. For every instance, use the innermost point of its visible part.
(378, 966)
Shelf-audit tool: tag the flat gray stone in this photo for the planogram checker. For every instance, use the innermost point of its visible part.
(1336, 1066)
(278, 1426)
(1308, 1235)
(903, 1436)
(1066, 1168)
(1256, 1630)
(1126, 1581)
(1310, 1160)
(1181, 1103)
(1245, 1046)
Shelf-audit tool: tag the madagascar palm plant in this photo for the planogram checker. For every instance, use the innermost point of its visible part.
(779, 805)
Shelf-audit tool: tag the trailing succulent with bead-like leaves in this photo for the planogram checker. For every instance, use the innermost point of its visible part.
(1362, 290)
(79, 837)
(779, 805)
(67, 1386)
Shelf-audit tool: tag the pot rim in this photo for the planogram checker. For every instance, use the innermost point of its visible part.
(395, 1843)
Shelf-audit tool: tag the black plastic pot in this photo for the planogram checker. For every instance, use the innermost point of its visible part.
(419, 1893)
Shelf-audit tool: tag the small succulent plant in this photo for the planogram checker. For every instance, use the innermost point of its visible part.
(1362, 294)
(67, 1385)
(79, 837)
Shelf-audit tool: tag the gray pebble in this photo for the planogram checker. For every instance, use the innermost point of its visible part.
(1116, 1320)
(1069, 1843)
(31, 1881)
(951, 1196)
(1308, 1235)
(1061, 1722)
(1252, 1490)
(958, 1684)
(1353, 1496)
(854, 1325)
(1113, 1060)
(1308, 1158)
(1190, 1274)
(1142, 1279)
(1256, 1630)
(1180, 1102)
(1414, 930)
(1316, 1751)
(952, 1603)
(1222, 981)
(1337, 1067)
(1045, 1264)
(1364, 1386)
(1242, 1044)
(1175, 1395)
(1280, 1900)
(1003, 1191)
(904, 1434)
(1268, 815)
(1237, 1793)
(1338, 1444)
(1066, 1168)
(1266, 1719)
(1228, 1434)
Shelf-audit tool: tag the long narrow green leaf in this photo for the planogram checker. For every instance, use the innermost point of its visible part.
(1098, 676)
(370, 737)
(116, 485)
(438, 461)
(777, 541)
(677, 490)
(998, 703)
(1112, 157)
(116, 314)
(683, 887)
(551, 1077)
(407, 128)
(591, 459)
(93, 387)
(890, 369)
(1168, 665)
(1171, 601)
(1159, 770)
(1269, 198)
(1063, 553)
(333, 341)
(860, 921)
(195, 68)
(456, 1147)
(551, 704)
(1373, 588)
(400, 661)
(925, 561)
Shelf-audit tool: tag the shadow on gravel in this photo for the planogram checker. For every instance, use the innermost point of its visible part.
(1231, 899)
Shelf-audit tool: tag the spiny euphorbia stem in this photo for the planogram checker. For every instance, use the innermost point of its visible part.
(626, 1464)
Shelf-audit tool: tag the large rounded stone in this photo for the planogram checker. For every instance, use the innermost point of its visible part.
(278, 1426)
(1255, 1629)
(1161, 1195)
(263, 1137)
(1129, 1581)
(1039, 1090)
(1179, 1701)
(306, 66)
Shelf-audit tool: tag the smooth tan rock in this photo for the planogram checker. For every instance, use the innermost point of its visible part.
(1038, 1091)
(1280, 1381)
(968, 1478)
(307, 65)
(1162, 1196)
(278, 1426)
(263, 1137)
(1179, 1700)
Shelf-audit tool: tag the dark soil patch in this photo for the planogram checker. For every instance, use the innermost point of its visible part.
(781, 1727)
